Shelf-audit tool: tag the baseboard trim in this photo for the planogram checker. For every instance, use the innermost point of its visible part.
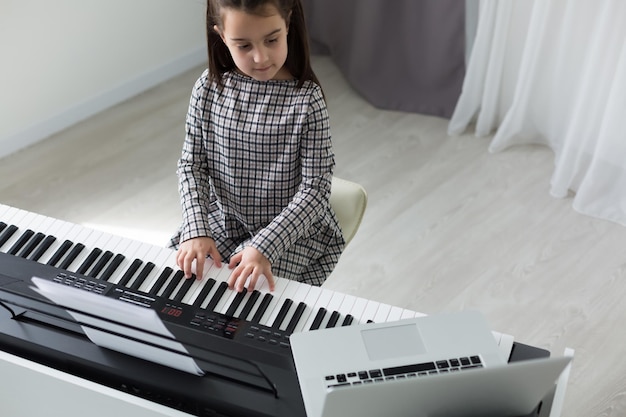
(81, 111)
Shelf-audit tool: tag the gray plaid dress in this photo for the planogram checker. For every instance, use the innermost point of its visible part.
(256, 170)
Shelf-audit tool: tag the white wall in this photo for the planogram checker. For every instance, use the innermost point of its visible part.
(62, 61)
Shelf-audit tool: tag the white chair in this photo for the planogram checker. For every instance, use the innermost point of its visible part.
(349, 200)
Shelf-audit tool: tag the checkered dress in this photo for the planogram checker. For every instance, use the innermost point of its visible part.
(256, 170)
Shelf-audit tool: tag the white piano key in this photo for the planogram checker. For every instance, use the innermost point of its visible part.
(395, 313)
(310, 300)
(333, 305)
(85, 237)
(275, 303)
(382, 313)
(149, 256)
(322, 302)
(288, 293)
(302, 290)
(17, 220)
(345, 308)
(210, 272)
(408, 314)
(370, 311)
(358, 309)
(134, 250)
(61, 230)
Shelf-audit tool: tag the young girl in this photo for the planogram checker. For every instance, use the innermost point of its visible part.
(257, 162)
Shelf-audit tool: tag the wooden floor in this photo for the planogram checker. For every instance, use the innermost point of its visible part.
(448, 227)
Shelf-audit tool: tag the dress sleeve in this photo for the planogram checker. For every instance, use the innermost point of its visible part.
(310, 203)
(193, 173)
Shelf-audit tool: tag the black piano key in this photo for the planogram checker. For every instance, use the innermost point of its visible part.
(219, 293)
(110, 270)
(332, 321)
(204, 292)
(284, 309)
(2, 226)
(130, 272)
(262, 307)
(99, 266)
(161, 280)
(249, 304)
(145, 271)
(42, 248)
(89, 260)
(318, 319)
(297, 315)
(19, 243)
(6, 234)
(31, 245)
(234, 305)
(67, 261)
(60, 252)
(178, 276)
(348, 320)
(187, 283)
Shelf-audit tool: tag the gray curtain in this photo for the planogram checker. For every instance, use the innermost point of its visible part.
(406, 55)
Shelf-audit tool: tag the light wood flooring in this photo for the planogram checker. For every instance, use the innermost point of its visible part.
(448, 227)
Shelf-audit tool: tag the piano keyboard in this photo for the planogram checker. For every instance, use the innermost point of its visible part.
(291, 307)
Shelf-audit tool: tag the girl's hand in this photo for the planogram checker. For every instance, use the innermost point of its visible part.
(197, 249)
(249, 263)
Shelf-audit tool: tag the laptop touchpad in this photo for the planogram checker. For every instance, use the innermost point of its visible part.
(393, 342)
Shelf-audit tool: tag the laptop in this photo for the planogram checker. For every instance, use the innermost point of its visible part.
(431, 366)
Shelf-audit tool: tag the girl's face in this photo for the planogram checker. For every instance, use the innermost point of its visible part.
(258, 44)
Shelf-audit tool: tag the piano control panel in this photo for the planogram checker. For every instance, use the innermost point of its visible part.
(183, 315)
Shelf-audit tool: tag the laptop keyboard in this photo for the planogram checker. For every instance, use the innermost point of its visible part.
(401, 372)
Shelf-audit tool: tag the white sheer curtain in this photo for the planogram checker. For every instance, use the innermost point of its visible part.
(553, 72)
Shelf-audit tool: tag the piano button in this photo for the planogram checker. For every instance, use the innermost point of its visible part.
(20, 242)
(235, 303)
(219, 293)
(317, 322)
(113, 266)
(71, 256)
(204, 292)
(265, 302)
(334, 318)
(295, 319)
(172, 284)
(247, 308)
(89, 261)
(59, 253)
(130, 272)
(31, 245)
(347, 321)
(147, 268)
(184, 288)
(282, 313)
(102, 262)
(42, 248)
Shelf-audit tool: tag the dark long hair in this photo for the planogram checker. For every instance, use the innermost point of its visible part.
(298, 56)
